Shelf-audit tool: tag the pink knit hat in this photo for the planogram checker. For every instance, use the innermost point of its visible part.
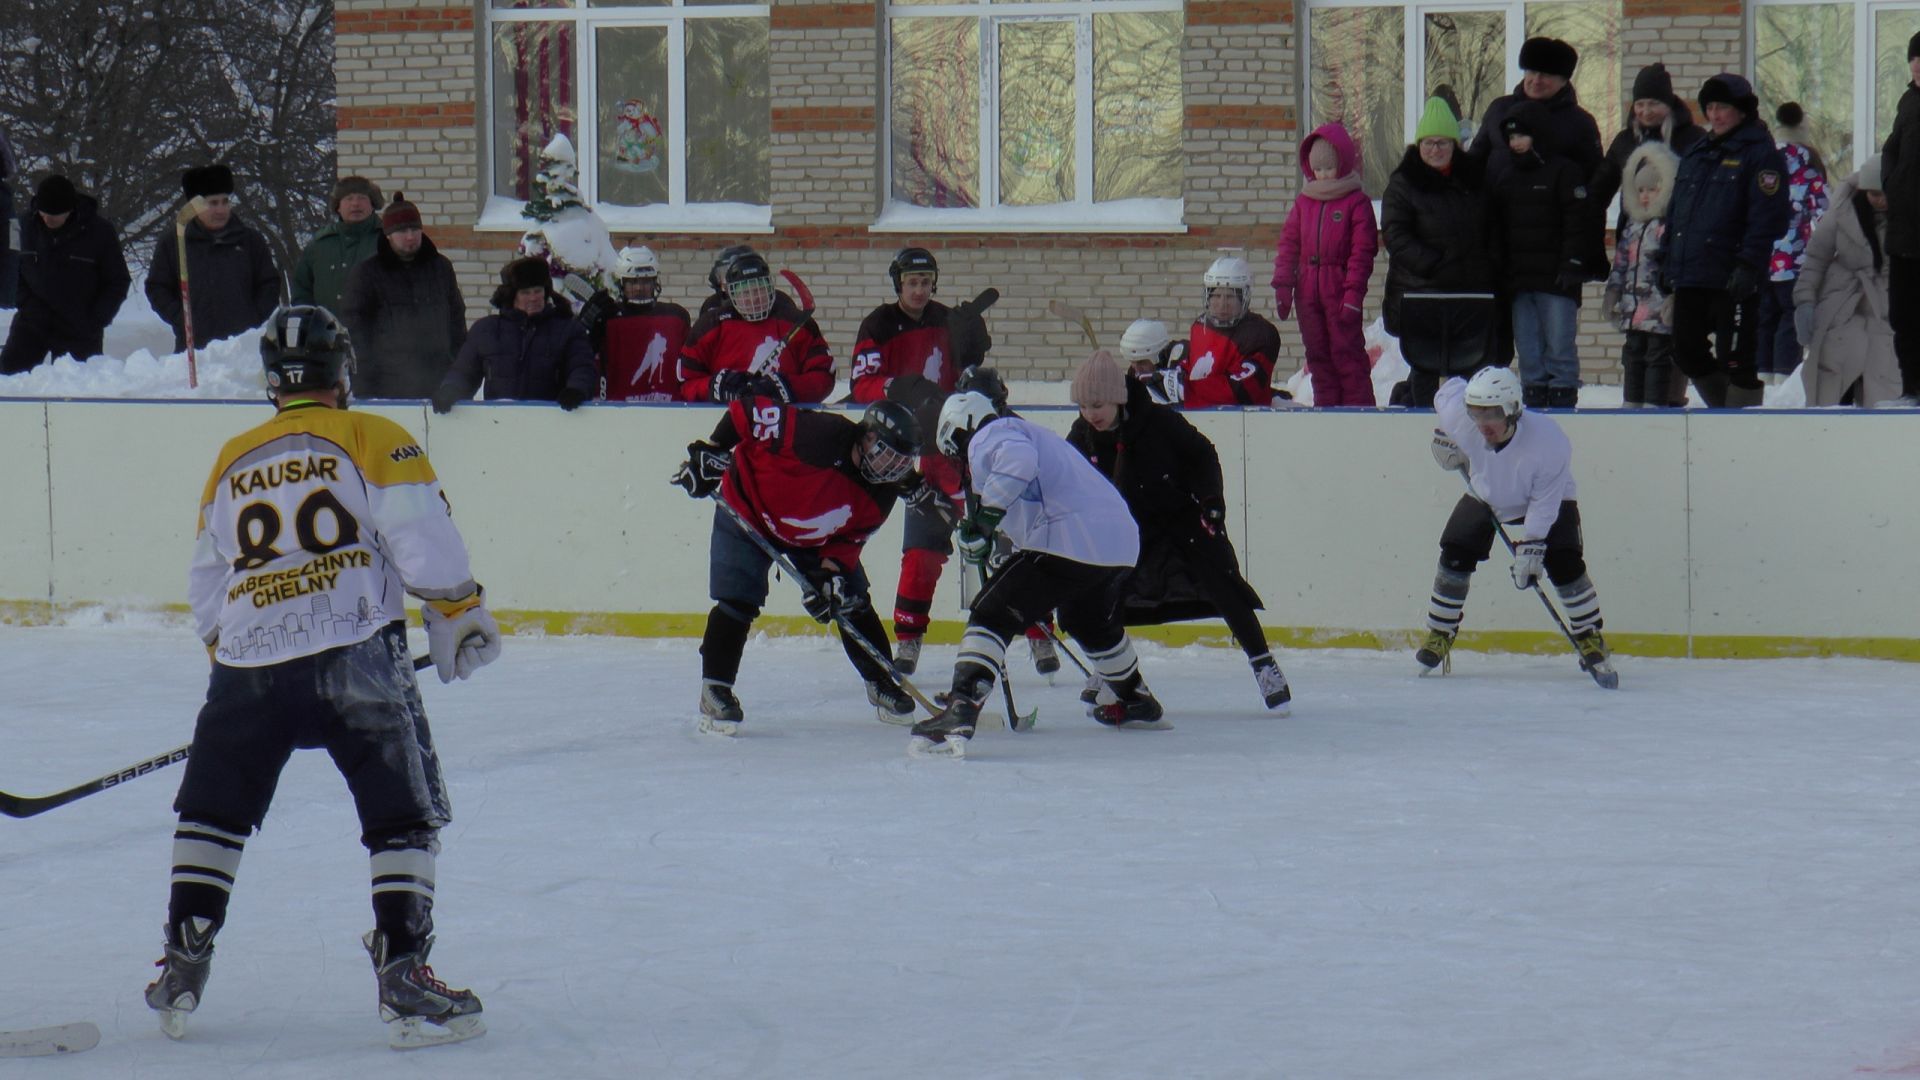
(1100, 381)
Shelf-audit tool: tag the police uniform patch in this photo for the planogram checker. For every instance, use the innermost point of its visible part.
(1769, 181)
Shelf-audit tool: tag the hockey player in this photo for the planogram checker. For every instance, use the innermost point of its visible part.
(1073, 545)
(1230, 350)
(759, 345)
(311, 526)
(1520, 464)
(816, 485)
(637, 338)
(1150, 352)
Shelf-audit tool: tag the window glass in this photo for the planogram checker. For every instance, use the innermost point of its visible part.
(1804, 53)
(1137, 149)
(1892, 28)
(1036, 112)
(1467, 62)
(1359, 78)
(934, 111)
(729, 111)
(533, 98)
(631, 95)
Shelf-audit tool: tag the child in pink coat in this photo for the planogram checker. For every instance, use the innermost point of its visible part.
(1324, 259)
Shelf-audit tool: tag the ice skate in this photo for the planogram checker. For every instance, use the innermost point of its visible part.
(419, 1009)
(891, 703)
(1046, 657)
(906, 654)
(1141, 712)
(1273, 685)
(720, 712)
(1596, 660)
(945, 734)
(1436, 653)
(183, 975)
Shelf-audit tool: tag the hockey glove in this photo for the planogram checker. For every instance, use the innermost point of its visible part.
(461, 636)
(976, 533)
(1447, 453)
(705, 467)
(832, 594)
(1174, 386)
(927, 499)
(570, 398)
(594, 312)
(734, 385)
(1529, 557)
(1742, 283)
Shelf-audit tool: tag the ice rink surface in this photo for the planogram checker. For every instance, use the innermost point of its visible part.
(1507, 873)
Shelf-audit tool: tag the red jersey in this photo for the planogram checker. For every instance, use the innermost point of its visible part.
(794, 478)
(731, 343)
(891, 343)
(640, 354)
(1230, 367)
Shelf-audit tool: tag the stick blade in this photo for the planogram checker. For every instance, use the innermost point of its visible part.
(800, 290)
(47, 1041)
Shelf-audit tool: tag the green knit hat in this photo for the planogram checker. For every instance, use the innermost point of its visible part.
(1437, 121)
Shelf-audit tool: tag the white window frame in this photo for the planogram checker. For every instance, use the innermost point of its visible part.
(1080, 215)
(1866, 141)
(501, 213)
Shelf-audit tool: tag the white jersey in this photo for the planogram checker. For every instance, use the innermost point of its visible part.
(1528, 477)
(1055, 501)
(312, 528)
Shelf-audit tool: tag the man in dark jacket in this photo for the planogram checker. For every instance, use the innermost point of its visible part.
(1900, 170)
(1540, 215)
(230, 271)
(1658, 116)
(1547, 72)
(404, 310)
(73, 279)
(321, 274)
(533, 350)
(1729, 206)
(9, 167)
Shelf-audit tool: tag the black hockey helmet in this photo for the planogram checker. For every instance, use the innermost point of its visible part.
(305, 348)
(717, 277)
(750, 286)
(913, 260)
(985, 381)
(896, 446)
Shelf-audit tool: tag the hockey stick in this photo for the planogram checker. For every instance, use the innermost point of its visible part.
(47, 1041)
(1064, 310)
(1015, 721)
(1601, 670)
(187, 213)
(26, 806)
(846, 626)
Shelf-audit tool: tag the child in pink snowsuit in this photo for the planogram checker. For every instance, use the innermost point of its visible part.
(1323, 263)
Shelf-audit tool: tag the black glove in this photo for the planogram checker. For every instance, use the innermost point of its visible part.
(967, 330)
(733, 385)
(928, 500)
(1571, 277)
(595, 310)
(833, 594)
(569, 398)
(445, 397)
(705, 467)
(1742, 283)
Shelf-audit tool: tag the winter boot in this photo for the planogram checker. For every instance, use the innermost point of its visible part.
(720, 712)
(906, 654)
(945, 733)
(891, 703)
(1563, 397)
(419, 1009)
(1436, 652)
(1273, 684)
(1046, 658)
(183, 974)
(1134, 707)
(1534, 395)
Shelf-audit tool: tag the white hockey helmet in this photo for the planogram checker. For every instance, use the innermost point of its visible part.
(637, 261)
(1495, 387)
(1227, 272)
(1144, 339)
(960, 417)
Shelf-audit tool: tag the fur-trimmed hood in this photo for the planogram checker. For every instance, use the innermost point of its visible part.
(1665, 166)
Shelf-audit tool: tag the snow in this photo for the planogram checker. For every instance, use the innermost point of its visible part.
(1505, 873)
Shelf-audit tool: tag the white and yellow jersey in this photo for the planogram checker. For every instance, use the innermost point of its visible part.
(312, 527)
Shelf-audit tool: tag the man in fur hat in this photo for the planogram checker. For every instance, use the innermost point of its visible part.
(230, 270)
(532, 350)
(1546, 66)
(321, 274)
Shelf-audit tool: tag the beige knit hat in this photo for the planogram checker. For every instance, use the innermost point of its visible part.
(1100, 381)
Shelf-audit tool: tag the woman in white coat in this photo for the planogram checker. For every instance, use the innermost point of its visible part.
(1840, 301)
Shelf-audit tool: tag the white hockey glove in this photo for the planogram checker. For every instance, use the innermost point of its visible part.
(1529, 558)
(1447, 453)
(463, 642)
(1175, 388)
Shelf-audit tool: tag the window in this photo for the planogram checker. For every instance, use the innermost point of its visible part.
(1846, 64)
(1053, 113)
(1372, 66)
(667, 103)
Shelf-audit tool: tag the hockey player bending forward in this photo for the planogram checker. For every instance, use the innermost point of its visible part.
(311, 526)
(816, 485)
(1521, 468)
(1073, 545)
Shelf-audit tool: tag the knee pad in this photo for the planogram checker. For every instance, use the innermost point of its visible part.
(1457, 560)
(737, 610)
(1564, 566)
(402, 838)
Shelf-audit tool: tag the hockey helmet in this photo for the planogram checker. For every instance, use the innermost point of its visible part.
(895, 446)
(1227, 272)
(913, 260)
(303, 347)
(962, 416)
(1495, 387)
(750, 287)
(637, 261)
(717, 277)
(984, 380)
(1144, 341)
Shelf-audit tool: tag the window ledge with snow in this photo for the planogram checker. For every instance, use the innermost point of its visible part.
(504, 215)
(1120, 216)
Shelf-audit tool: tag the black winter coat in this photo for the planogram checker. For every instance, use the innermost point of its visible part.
(1729, 205)
(1539, 215)
(525, 358)
(1900, 176)
(72, 279)
(231, 274)
(407, 319)
(1571, 133)
(1436, 232)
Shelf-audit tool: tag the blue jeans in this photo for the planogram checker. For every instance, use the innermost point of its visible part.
(1543, 325)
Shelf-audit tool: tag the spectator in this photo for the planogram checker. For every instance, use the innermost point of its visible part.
(1324, 259)
(1546, 66)
(1776, 346)
(9, 165)
(1434, 220)
(1657, 116)
(1148, 349)
(1539, 218)
(639, 337)
(758, 344)
(73, 279)
(1634, 298)
(1842, 301)
(1729, 206)
(321, 274)
(533, 350)
(1230, 361)
(404, 310)
(1900, 172)
(230, 271)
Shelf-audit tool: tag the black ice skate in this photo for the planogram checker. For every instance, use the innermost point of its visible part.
(419, 1009)
(1141, 711)
(891, 704)
(1046, 658)
(183, 975)
(945, 733)
(720, 712)
(1273, 685)
(1436, 652)
(906, 655)
(1595, 658)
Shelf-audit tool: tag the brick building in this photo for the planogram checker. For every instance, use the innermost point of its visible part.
(1097, 150)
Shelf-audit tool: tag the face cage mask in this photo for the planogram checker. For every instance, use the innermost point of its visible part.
(1206, 314)
(752, 298)
(882, 464)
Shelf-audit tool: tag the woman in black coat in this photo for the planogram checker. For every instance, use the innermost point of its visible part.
(1169, 474)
